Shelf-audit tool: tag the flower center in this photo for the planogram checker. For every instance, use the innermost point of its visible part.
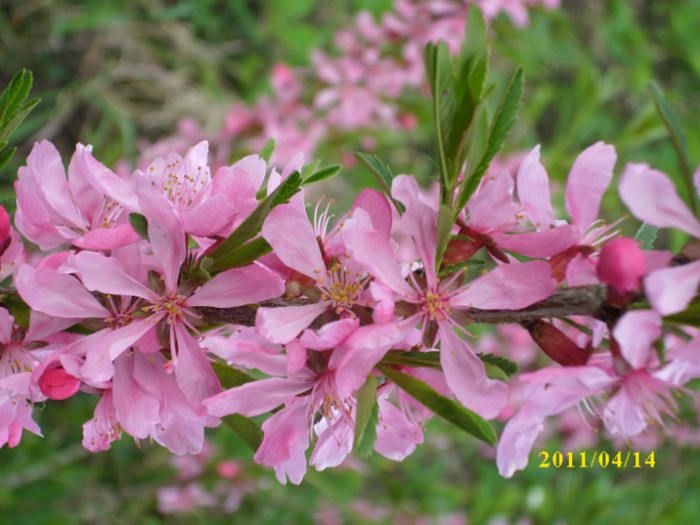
(436, 306)
(173, 305)
(341, 287)
(180, 188)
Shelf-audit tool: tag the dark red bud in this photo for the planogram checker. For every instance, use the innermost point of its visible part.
(557, 345)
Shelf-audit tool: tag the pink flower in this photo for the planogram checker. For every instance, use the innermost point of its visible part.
(19, 356)
(332, 380)
(330, 277)
(651, 196)
(53, 211)
(628, 388)
(588, 179)
(438, 302)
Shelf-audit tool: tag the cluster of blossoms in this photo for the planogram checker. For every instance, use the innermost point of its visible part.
(355, 89)
(129, 297)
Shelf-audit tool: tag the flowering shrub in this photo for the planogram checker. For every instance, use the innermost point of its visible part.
(185, 296)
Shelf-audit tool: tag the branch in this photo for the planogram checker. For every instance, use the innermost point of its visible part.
(588, 300)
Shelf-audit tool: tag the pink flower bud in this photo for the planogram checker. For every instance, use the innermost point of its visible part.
(58, 384)
(621, 265)
(4, 230)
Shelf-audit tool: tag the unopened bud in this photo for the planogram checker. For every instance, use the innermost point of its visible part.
(621, 266)
(556, 344)
(58, 384)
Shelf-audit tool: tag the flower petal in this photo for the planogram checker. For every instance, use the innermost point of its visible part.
(256, 397)
(636, 332)
(651, 197)
(282, 324)
(238, 286)
(588, 179)
(292, 237)
(508, 287)
(466, 376)
(670, 290)
(55, 294)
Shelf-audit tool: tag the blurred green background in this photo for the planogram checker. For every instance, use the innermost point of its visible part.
(115, 74)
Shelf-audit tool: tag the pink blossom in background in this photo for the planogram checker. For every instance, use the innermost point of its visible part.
(651, 196)
(629, 390)
(359, 85)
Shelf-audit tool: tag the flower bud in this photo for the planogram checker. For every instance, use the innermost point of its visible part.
(58, 384)
(557, 345)
(621, 266)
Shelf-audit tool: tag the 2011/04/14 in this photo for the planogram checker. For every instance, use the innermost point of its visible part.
(604, 460)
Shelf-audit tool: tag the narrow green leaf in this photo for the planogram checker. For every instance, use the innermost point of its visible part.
(441, 79)
(250, 227)
(246, 429)
(470, 91)
(18, 308)
(245, 254)
(474, 54)
(445, 222)
(646, 236)
(378, 168)
(679, 142)
(6, 156)
(267, 150)
(429, 359)
(366, 417)
(503, 121)
(462, 266)
(16, 119)
(448, 409)
(309, 168)
(139, 223)
(230, 377)
(14, 95)
(382, 174)
(509, 367)
(323, 174)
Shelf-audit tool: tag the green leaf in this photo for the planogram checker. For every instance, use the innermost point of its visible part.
(429, 359)
(470, 92)
(382, 173)
(246, 429)
(441, 79)
(445, 222)
(680, 144)
(139, 223)
(245, 254)
(509, 367)
(230, 377)
(323, 174)
(366, 418)
(503, 121)
(462, 266)
(16, 119)
(14, 95)
(250, 227)
(309, 168)
(6, 156)
(448, 409)
(267, 150)
(646, 236)
(17, 307)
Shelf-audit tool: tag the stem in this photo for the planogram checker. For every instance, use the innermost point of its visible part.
(588, 300)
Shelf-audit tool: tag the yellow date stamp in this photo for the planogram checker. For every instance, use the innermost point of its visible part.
(602, 459)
